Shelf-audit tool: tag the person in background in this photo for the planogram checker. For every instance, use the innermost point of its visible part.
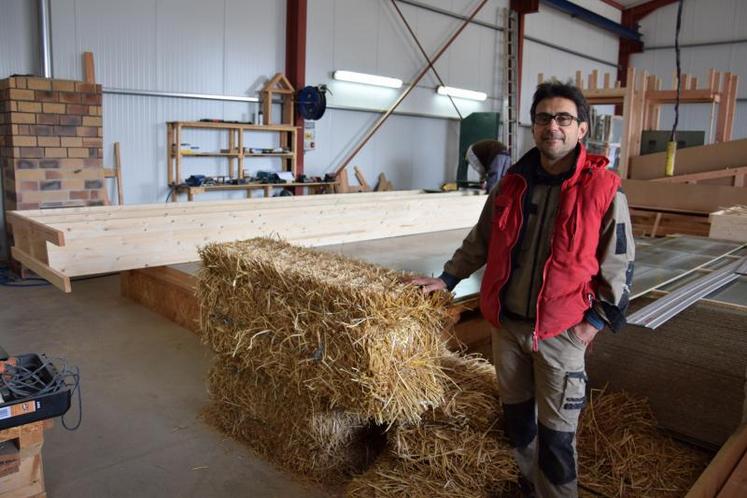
(490, 159)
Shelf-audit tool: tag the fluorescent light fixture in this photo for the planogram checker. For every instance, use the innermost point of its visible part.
(367, 79)
(461, 93)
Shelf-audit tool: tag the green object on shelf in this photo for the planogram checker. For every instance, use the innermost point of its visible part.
(475, 127)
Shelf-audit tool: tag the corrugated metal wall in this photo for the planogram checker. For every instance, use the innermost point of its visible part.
(229, 47)
(18, 55)
(704, 22)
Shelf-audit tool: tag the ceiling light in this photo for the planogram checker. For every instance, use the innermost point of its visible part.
(461, 93)
(367, 79)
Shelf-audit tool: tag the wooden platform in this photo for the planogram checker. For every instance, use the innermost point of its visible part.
(21, 470)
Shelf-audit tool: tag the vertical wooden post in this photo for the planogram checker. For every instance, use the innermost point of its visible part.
(118, 174)
(88, 68)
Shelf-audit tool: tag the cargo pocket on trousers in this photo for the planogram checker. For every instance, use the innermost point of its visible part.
(574, 391)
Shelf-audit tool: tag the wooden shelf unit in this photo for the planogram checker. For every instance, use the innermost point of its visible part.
(175, 155)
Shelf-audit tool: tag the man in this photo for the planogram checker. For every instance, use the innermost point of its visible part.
(557, 240)
(490, 159)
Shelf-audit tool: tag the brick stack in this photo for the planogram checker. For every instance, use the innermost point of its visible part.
(50, 143)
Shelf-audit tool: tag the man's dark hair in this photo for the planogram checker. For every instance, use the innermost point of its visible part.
(555, 88)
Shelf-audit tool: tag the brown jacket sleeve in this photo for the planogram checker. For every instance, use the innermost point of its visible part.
(616, 254)
(473, 253)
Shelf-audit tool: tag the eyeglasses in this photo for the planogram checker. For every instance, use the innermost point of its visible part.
(562, 118)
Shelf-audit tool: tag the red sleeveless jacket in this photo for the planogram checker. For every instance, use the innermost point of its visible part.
(567, 285)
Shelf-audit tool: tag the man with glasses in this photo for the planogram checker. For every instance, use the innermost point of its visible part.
(556, 238)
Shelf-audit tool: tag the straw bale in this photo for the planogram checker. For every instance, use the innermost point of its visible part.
(391, 477)
(471, 397)
(284, 425)
(349, 331)
(458, 448)
(621, 453)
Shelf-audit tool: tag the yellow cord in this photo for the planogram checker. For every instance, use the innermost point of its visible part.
(671, 151)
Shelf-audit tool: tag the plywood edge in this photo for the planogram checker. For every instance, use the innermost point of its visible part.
(715, 475)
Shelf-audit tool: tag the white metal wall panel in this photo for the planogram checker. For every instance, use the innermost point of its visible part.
(19, 44)
(66, 51)
(702, 21)
(122, 37)
(561, 29)
(18, 55)
(254, 45)
(189, 40)
(368, 36)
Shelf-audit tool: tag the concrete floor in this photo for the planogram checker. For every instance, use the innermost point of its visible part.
(143, 385)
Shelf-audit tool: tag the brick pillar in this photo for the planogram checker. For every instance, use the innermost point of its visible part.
(50, 143)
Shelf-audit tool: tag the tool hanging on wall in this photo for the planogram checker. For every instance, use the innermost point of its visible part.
(672, 145)
(311, 102)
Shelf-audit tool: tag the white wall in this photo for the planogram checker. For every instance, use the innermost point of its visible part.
(191, 46)
(18, 55)
(557, 28)
(703, 22)
(368, 36)
(229, 47)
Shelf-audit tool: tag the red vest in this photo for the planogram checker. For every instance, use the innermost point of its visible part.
(567, 285)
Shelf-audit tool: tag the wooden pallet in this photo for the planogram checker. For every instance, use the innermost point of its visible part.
(26, 479)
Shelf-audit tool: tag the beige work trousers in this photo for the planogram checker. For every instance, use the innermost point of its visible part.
(542, 394)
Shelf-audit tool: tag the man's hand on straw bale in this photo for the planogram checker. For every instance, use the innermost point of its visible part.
(428, 284)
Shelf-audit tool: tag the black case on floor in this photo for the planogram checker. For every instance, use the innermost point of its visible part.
(45, 406)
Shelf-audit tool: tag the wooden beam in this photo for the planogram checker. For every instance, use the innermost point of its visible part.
(682, 196)
(102, 245)
(88, 68)
(691, 160)
(361, 179)
(706, 175)
(118, 173)
(712, 480)
(54, 277)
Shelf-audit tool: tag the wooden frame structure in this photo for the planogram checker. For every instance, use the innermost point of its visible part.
(280, 85)
(641, 98)
(61, 244)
